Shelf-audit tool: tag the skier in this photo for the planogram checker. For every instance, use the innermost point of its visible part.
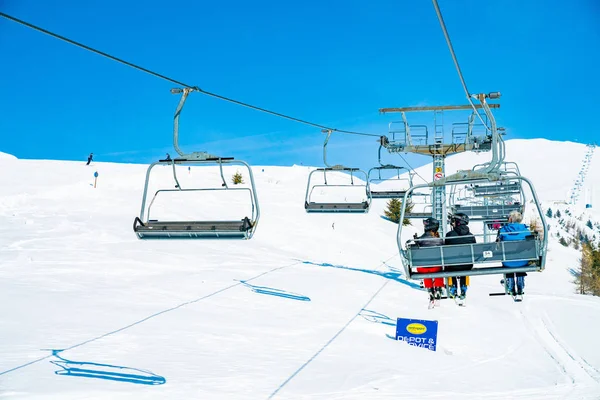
(90, 157)
(514, 230)
(431, 237)
(459, 234)
(168, 157)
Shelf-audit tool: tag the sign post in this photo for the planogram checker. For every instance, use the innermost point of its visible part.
(95, 178)
(417, 332)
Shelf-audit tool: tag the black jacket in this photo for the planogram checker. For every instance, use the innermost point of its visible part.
(460, 235)
(426, 240)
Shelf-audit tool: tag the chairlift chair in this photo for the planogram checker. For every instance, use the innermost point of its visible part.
(486, 257)
(495, 200)
(387, 194)
(311, 206)
(147, 228)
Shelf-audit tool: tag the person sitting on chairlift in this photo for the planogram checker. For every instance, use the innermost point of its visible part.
(460, 234)
(514, 230)
(431, 237)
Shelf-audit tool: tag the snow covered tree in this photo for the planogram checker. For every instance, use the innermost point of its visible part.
(563, 242)
(394, 209)
(589, 224)
(549, 213)
(558, 214)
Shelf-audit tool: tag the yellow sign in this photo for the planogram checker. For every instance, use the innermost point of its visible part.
(438, 169)
(416, 329)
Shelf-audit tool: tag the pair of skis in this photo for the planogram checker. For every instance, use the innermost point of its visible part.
(517, 298)
(434, 300)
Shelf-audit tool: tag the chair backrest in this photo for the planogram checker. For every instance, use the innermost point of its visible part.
(475, 253)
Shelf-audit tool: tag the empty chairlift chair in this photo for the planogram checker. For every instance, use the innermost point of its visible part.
(400, 186)
(311, 205)
(147, 228)
(491, 201)
(487, 212)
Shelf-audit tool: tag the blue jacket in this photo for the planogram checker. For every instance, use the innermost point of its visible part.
(510, 232)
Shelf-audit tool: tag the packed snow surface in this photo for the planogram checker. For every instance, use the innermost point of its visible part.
(306, 309)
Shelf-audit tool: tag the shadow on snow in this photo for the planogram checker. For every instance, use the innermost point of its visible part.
(105, 371)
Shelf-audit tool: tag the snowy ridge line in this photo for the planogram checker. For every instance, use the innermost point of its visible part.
(146, 319)
(334, 336)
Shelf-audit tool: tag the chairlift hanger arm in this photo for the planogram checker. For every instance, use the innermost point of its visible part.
(331, 167)
(195, 155)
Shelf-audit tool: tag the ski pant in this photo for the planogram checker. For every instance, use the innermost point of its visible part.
(510, 280)
(462, 279)
(429, 282)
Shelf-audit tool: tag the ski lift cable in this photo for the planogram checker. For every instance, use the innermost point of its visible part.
(412, 169)
(228, 99)
(460, 75)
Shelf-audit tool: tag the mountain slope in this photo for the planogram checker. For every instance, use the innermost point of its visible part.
(305, 309)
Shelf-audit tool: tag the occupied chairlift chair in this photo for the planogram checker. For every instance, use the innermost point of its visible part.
(146, 228)
(335, 207)
(486, 257)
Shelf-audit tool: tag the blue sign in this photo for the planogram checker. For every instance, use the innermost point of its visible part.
(417, 332)
(96, 174)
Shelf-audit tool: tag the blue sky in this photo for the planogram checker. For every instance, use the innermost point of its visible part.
(332, 62)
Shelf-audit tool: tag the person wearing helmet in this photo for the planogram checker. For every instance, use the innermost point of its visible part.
(431, 237)
(460, 234)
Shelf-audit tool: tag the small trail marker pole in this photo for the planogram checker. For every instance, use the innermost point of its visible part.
(95, 178)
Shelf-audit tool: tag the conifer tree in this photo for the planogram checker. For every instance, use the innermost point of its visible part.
(394, 209)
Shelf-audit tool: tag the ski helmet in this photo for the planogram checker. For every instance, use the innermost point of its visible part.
(460, 219)
(431, 224)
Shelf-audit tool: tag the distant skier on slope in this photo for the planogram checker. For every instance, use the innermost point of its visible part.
(460, 234)
(90, 157)
(431, 237)
(514, 230)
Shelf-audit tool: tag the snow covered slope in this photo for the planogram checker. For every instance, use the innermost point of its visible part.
(305, 309)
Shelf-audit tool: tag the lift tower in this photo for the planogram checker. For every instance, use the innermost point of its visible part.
(416, 140)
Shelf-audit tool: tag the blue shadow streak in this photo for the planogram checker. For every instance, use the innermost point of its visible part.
(374, 316)
(390, 336)
(395, 276)
(275, 292)
(574, 272)
(105, 371)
